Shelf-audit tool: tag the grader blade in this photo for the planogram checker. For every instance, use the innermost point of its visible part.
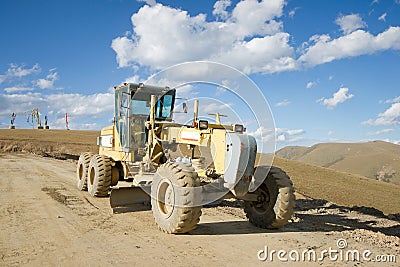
(126, 199)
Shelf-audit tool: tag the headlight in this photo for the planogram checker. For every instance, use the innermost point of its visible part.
(203, 125)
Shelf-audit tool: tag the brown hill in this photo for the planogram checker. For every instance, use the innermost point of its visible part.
(56, 143)
(377, 160)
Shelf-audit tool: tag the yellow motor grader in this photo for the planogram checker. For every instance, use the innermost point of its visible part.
(146, 159)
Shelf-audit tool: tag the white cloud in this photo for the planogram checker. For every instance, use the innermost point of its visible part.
(310, 84)
(281, 138)
(324, 49)
(289, 136)
(82, 109)
(263, 134)
(281, 135)
(339, 97)
(390, 117)
(17, 88)
(149, 2)
(215, 107)
(388, 130)
(48, 82)
(268, 54)
(19, 71)
(393, 100)
(330, 77)
(250, 17)
(248, 36)
(396, 142)
(282, 103)
(330, 133)
(292, 132)
(163, 36)
(186, 92)
(350, 23)
(293, 12)
(82, 105)
(383, 17)
(132, 79)
(220, 9)
(225, 87)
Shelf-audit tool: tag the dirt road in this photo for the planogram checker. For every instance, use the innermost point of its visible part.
(46, 221)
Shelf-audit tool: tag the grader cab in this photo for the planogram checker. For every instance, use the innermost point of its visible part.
(146, 159)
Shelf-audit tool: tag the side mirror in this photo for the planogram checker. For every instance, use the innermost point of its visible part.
(184, 107)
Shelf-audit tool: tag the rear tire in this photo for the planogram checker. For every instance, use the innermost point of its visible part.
(168, 189)
(99, 176)
(277, 202)
(82, 170)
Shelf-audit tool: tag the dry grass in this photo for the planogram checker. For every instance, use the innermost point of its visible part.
(371, 159)
(341, 188)
(48, 141)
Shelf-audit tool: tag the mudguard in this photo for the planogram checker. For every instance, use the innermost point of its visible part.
(240, 156)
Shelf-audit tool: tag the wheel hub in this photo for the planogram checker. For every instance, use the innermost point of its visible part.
(165, 198)
(262, 199)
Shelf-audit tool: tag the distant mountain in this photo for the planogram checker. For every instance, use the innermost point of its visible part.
(377, 160)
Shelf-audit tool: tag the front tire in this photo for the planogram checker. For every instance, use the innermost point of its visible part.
(99, 176)
(276, 201)
(82, 170)
(173, 184)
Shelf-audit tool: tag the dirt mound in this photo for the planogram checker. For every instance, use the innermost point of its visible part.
(332, 217)
(59, 144)
(368, 210)
(46, 151)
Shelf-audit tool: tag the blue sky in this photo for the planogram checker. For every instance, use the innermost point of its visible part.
(329, 69)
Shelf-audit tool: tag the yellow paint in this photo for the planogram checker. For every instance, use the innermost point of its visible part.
(218, 147)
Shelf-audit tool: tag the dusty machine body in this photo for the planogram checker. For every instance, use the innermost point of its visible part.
(146, 158)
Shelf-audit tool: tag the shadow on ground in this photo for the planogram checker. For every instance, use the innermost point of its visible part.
(311, 216)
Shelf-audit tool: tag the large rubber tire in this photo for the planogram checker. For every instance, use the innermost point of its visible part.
(278, 202)
(82, 169)
(99, 176)
(171, 185)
